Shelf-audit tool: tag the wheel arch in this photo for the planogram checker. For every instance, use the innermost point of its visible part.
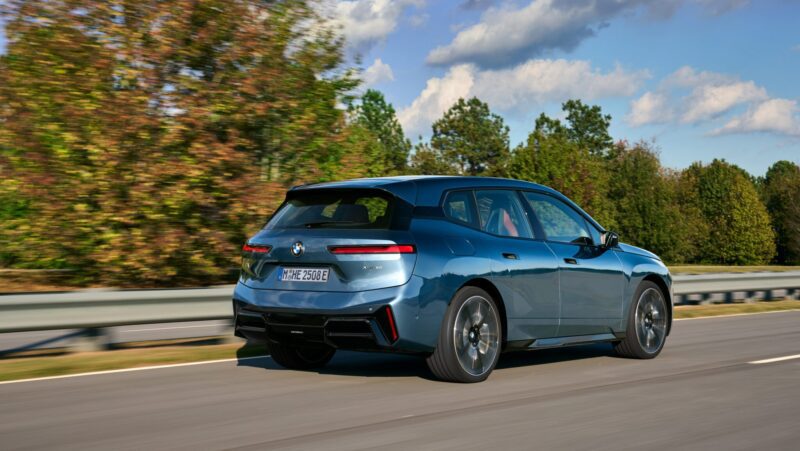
(662, 285)
(488, 286)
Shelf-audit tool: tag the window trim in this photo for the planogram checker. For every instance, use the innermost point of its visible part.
(477, 227)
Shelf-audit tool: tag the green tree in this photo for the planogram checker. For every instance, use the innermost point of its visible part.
(739, 230)
(646, 205)
(379, 118)
(426, 161)
(146, 139)
(472, 138)
(588, 127)
(780, 191)
(551, 156)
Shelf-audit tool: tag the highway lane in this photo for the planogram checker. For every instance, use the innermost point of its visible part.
(700, 393)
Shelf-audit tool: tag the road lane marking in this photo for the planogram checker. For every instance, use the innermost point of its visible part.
(776, 359)
(736, 314)
(169, 328)
(130, 370)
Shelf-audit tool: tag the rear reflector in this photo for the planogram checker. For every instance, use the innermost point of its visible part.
(390, 249)
(392, 328)
(256, 249)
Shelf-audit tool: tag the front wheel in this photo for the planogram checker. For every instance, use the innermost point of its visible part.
(469, 340)
(300, 358)
(647, 324)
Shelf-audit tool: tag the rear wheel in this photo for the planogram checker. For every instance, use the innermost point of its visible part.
(647, 324)
(300, 358)
(469, 340)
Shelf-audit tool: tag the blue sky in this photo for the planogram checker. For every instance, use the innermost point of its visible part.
(704, 78)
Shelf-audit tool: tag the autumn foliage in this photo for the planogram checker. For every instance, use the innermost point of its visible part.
(145, 139)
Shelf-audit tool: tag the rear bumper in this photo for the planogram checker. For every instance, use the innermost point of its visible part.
(343, 320)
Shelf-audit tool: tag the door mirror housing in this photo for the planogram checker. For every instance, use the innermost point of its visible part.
(610, 240)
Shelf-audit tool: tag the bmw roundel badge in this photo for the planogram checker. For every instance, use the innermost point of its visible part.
(298, 248)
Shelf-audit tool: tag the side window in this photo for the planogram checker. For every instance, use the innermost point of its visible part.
(501, 213)
(459, 206)
(559, 221)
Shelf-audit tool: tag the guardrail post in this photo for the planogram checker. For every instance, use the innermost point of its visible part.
(91, 340)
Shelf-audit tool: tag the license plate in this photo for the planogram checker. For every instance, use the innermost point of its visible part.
(303, 275)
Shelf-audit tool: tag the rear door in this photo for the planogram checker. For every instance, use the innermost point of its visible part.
(591, 278)
(523, 265)
(333, 240)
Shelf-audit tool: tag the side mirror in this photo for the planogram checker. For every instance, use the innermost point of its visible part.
(610, 240)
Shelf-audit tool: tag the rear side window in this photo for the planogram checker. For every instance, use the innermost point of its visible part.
(460, 207)
(331, 209)
(559, 221)
(501, 213)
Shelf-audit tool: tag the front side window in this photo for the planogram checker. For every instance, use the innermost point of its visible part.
(559, 221)
(500, 213)
(325, 209)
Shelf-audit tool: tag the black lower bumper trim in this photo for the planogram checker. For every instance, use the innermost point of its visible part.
(362, 333)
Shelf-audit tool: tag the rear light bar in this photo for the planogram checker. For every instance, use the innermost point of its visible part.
(372, 249)
(256, 248)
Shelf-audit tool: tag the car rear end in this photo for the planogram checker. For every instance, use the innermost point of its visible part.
(333, 267)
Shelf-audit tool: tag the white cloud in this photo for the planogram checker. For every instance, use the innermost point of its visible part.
(689, 96)
(508, 34)
(365, 23)
(650, 108)
(709, 101)
(517, 89)
(771, 116)
(511, 33)
(378, 72)
(439, 95)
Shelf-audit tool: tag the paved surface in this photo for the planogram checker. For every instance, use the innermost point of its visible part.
(701, 393)
(123, 334)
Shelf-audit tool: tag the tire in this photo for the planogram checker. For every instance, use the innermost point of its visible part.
(470, 338)
(647, 324)
(300, 358)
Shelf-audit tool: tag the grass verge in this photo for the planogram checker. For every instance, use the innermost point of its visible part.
(32, 367)
(712, 269)
(697, 311)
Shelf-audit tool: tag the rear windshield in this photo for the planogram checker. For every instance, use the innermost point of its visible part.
(334, 209)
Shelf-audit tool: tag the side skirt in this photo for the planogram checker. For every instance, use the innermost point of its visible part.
(558, 342)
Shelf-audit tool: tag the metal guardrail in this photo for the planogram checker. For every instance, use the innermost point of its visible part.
(97, 309)
(101, 309)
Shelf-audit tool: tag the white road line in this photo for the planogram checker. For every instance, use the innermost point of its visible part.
(130, 370)
(776, 359)
(736, 314)
(169, 328)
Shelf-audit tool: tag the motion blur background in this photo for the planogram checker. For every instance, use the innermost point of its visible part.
(141, 142)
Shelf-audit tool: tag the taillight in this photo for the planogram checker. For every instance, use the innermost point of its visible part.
(256, 248)
(371, 249)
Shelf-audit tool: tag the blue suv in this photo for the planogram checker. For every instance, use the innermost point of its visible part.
(454, 269)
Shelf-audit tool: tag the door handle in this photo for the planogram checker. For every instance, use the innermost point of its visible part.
(510, 256)
(571, 261)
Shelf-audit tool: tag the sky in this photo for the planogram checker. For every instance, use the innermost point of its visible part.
(702, 79)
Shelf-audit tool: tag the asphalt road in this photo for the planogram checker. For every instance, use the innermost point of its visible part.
(701, 393)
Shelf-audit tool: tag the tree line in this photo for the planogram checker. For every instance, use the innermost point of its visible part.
(143, 141)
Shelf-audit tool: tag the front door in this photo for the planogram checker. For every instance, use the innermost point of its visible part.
(591, 277)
